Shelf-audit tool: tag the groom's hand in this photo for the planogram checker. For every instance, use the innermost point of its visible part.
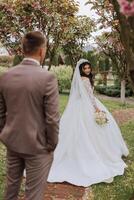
(2, 112)
(51, 111)
(50, 148)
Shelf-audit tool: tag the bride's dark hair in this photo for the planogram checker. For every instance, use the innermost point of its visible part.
(90, 76)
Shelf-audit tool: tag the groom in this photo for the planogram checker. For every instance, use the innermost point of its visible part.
(29, 120)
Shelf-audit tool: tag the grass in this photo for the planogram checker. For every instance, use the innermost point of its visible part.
(63, 102)
(114, 105)
(2, 170)
(123, 186)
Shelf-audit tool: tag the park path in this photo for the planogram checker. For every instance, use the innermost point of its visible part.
(129, 100)
(123, 116)
(65, 191)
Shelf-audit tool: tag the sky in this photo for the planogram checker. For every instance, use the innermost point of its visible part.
(86, 9)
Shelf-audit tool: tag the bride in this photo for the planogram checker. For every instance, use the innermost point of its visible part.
(87, 153)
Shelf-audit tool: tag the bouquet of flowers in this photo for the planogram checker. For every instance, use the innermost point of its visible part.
(101, 118)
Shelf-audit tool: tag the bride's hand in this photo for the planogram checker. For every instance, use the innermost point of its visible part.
(97, 110)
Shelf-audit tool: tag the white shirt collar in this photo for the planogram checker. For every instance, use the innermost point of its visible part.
(33, 60)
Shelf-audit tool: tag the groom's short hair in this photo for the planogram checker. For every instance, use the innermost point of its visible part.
(32, 41)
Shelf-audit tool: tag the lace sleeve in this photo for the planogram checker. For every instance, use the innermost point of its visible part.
(89, 91)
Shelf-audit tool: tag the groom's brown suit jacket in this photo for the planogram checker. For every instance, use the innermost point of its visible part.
(29, 117)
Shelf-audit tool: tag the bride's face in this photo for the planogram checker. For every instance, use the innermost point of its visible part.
(86, 69)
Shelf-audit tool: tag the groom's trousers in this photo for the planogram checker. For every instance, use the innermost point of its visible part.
(37, 170)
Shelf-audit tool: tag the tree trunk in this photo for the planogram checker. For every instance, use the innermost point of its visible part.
(127, 38)
(50, 64)
(123, 90)
(132, 76)
(105, 78)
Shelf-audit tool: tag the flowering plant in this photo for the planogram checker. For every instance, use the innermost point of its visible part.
(127, 7)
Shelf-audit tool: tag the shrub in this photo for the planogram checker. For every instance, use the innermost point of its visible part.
(6, 61)
(2, 70)
(64, 74)
(17, 59)
(99, 81)
(100, 89)
(113, 91)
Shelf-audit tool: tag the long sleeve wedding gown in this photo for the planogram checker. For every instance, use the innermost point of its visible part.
(87, 153)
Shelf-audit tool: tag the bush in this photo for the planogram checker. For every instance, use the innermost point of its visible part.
(63, 74)
(2, 70)
(6, 61)
(113, 91)
(100, 89)
(99, 81)
(17, 59)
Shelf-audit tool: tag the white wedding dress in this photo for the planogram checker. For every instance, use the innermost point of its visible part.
(87, 153)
